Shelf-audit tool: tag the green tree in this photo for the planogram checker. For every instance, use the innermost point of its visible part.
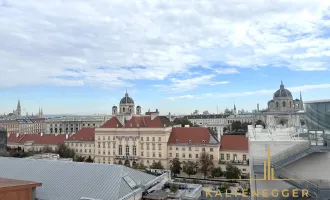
(174, 188)
(64, 151)
(175, 167)
(259, 122)
(216, 172)
(205, 163)
(157, 165)
(232, 172)
(236, 125)
(127, 164)
(79, 159)
(141, 166)
(89, 159)
(190, 168)
(47, 149)
(182, 121)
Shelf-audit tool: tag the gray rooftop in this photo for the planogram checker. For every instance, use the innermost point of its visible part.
(63, 180)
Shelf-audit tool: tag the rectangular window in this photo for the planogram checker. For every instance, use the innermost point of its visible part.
(141, 138)
(170, 154)
(211, 156)
(189, 148)
(142, 146)
(99, 144)
(159, 147)
(153, 147)
(228, 156)
(235, 156)
(147, 138)
(177, 149)
(177, 155)
(153, 138)
(211, 149)
(147, 146)
(108, 144)
(244, 157)
(170, 148)
(160, 155)
(141, 153)
(108, 152)
(183, 155)
(222, 156)
(159, 139)
(183, 149)
(148, 154)
(190, 155)
(196, 155)
(153, 154)
(103, 144)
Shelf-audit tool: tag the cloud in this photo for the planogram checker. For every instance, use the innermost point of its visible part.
(242, 94)
(226, 71)
(114, 43)
(182, 85)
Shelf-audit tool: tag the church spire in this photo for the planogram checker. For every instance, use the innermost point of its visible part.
(282, 86)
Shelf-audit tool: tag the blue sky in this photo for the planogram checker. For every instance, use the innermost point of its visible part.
(79, 58)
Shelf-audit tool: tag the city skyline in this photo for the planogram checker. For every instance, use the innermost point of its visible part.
(175, 57)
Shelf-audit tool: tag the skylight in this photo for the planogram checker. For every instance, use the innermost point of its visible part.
(129, 181)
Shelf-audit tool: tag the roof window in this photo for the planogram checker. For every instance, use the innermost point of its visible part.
(177, 140)
(203, 141)
(189, 141)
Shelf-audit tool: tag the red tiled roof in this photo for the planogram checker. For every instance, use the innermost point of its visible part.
(112, 123)
(14, 139)
(195, 134)
(234, 142)
(137, 122)
(84, 134)
(47, 139)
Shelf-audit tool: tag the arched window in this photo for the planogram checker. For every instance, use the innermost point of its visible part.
(55, 130)
(51, 130)
(283, 103)
(123, 109)
(120, 150)
(127, 150)
(277, 105)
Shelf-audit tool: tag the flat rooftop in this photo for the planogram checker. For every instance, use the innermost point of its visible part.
(278, 134)
(10, 183)
(318, 101)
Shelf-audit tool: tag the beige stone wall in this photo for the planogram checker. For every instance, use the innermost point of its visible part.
(187, 152)
(150, 145)
(241, 156)
(82, 148)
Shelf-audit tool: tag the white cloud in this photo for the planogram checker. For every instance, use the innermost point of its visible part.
(226, 71)
(242, 94)
(182, 85)
(42, 41)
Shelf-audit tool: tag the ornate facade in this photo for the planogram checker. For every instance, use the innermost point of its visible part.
(283, 102)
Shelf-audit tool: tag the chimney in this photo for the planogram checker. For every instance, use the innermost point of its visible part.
(41, 134)
(17, 134)
(66, 136)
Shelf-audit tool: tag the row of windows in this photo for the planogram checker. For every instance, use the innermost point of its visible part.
(190, 149)
(79, 144)
(120, 138)
(222, 156)
(189, 155)
(153, 154)
(76, 125)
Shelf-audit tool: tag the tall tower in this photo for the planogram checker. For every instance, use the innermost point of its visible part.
(18, 109)
(235, 112)
(301, 102)
(41, 112)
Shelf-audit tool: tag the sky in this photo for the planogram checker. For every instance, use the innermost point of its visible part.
(79, 57)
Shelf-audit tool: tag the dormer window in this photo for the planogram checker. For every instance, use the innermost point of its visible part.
(203, 141)
(177, 140)
(189, 141)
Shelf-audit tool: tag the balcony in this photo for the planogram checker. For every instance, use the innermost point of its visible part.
(127, 157)
(234, 162)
